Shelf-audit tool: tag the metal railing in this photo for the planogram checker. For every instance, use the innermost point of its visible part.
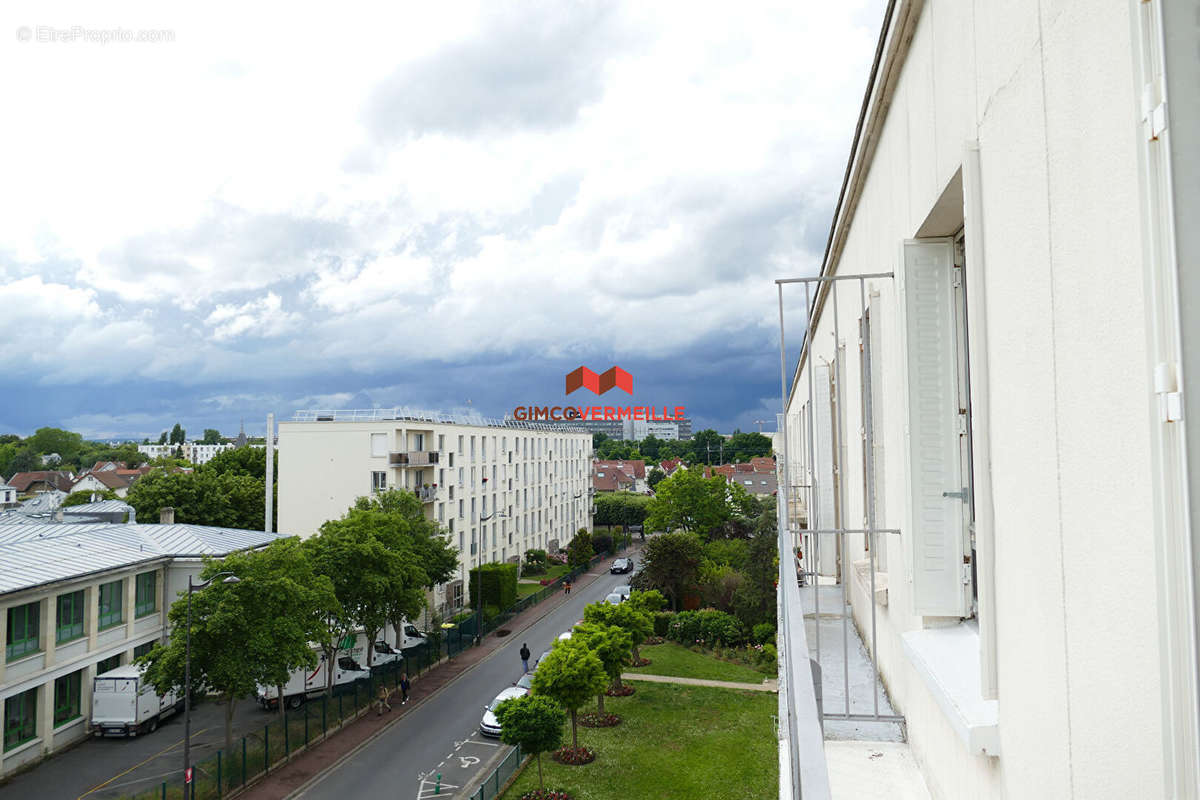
(492, 784)
(413, 458)
(408, 414)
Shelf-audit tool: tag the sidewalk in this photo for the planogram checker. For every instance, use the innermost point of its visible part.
(771, 685)
(309, 764)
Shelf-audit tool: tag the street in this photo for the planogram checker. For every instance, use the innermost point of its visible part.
(443, 734)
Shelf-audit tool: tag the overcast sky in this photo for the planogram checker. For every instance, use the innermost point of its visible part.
(442, 205)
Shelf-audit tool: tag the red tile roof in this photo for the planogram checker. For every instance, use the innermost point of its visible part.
(634, 467)
(59, 479)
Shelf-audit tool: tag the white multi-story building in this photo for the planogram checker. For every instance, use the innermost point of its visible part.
(1028, 477)
(195, 452)
(78, 600)
(499, 488)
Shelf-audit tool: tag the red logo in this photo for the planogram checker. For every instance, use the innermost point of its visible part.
(613, 377)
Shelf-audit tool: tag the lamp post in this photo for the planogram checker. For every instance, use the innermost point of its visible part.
(187, 679)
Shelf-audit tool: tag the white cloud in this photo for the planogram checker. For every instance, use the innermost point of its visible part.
(260, 318)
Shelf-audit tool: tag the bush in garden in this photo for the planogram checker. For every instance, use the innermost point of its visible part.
(719, 628)
(685, 628)
(602, 543)
(536, 562)
(662, 619)
(764, 633)
(768, 659)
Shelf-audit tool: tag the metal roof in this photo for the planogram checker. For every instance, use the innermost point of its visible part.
(99, 507)
(33, 554)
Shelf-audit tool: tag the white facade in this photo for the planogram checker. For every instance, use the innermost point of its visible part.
(195, 452)
(537, 478)
(638, 429)
(998, 178)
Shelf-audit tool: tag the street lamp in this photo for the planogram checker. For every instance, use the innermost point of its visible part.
(187, 678)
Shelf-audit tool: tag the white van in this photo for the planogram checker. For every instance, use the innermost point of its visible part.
(383, 653)
(125, 704)
(305, 683)
(409, 636)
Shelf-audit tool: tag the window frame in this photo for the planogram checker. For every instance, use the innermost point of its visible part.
(29, 695)
(71, 683)
(15, 649)
(106, 621)
(78, 604)
(140, 608)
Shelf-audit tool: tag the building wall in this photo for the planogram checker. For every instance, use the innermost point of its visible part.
(1047, 92)
(39, 670)
(325, 466)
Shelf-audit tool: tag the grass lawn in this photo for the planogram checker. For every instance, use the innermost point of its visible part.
(549, 575)
(675, 742)
(669, 658)
(526, 589)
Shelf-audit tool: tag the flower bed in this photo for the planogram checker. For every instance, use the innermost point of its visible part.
(574, 756)
(594, 719)
(653, 640)
(624, 691)
(547, 794)
(642, 662)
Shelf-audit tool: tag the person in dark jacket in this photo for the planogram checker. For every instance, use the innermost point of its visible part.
(525, 657)
(404, 684)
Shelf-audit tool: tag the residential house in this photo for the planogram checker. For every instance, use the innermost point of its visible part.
(100, 481)
(611, 479)
(42, 481)
(634, 468)
(8, 495)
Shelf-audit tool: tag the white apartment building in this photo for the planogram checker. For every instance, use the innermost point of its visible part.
(195, 452)
(77, 600)
(499, 488)
(995, 380)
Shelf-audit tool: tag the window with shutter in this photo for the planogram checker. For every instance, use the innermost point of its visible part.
(936, 483)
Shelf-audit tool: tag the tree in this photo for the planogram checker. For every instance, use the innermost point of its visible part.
(672, 564)
(690, 501)
(211, 436)
(250, 633)
(534, 723)
(55, 440)
(754, 598)
(612, 644)
(178, 434)
(571, 675)
(203, 497)
(84, 497)
(745, 446)
(637, 623)
(655, 477)
(650, 446)
(162, 438)
(250, 461)
(706, 446)
(579, 552)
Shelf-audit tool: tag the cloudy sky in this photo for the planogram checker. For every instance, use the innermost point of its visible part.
(442, 205)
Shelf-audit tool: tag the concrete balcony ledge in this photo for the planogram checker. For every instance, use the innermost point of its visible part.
(947, 659)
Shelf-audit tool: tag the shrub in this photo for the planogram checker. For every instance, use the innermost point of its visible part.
(602, 543)
(685, 628)
(496, 582)
(662, 619)
(719, 628)
(536, 562)
(580, 552)
(768, 659)
(764, 633)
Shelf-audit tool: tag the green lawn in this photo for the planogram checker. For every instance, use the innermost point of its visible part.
(550, 574)
(526, 589)
(675, 742)
(669, 658)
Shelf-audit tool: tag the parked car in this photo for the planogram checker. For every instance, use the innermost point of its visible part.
(621, 565)
(614, 599)
(623, 589)
(525, 682)
(539, 660)
(489, 725)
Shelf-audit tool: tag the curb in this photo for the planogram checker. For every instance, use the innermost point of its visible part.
(299, 791)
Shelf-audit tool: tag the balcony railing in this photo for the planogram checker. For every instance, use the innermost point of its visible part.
(413, 458)
(427, 494)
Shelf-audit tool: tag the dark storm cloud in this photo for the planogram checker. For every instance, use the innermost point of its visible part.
(534, 69)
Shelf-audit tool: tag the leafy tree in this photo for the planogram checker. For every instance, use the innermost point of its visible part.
(17, 457)
(178, 435)
(598, 439)
(9, 438)
(211, 436)
(534, 723)
(620, 508)
(672, 564)
(728, 552)
(55, 440)
(84, 497)
(744, 446)
(250, 461)
(250, 633)
(571, 675)
(754, 599)
(202, 497)
(579, 552)
(637, 623)
(655, 477)
(612, 644)
(690, 501)
(162, 437)
(650, 446)
(707, 447)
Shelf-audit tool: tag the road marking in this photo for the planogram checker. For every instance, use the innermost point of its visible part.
(100, 786)
(480, 741)
(468, 761)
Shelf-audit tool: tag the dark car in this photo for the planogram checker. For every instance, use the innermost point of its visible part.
(622, 565)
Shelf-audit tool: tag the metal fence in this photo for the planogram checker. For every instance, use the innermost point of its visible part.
(257, 753)
(492, 784)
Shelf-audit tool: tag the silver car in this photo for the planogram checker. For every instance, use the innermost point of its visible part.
(489, 725)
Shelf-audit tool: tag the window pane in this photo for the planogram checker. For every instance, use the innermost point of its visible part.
(146, 601)
(111, 604)
(70, 617)
(66, 698)
(20, 719)
(23, 628)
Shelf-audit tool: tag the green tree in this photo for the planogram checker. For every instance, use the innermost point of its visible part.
(178, 434)
(202, 497)
(745, 446)
(162, 437)
(579, 552)
(250, 461)
(55, 440)
(612, 644)
(570, 675)
(211, 436)
(84, 497)
(707, 447)
(655, 477)
(637, 623)
(672, 564)
(534, 723)
(650, 446)
(690, 501)
(250, 633)
(754, 598)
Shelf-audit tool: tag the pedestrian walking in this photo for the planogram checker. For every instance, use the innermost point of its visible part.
(404, 684)
(566, 587)
(525, 657)
(382, 703)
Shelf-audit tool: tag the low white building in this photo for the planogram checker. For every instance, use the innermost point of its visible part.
(78, 600)
(195, 452)
(995, 380)
(499, 488)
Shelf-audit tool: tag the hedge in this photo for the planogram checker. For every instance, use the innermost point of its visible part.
(497, 583)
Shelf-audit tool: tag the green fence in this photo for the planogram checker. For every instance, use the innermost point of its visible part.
(492, 784)
(262, 750)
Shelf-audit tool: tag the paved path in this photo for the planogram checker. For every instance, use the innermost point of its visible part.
(393, 755)
(771, 685)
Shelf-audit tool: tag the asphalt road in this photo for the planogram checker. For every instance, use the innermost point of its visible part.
(445, 729)
(100, 769)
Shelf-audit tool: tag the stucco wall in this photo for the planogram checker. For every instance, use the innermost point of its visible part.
(1047, 90)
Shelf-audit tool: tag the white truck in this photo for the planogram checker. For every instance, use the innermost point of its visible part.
(409, 636)
(125, 704)
(305, 683)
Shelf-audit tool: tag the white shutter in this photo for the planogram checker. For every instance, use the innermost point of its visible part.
(379, 444)
(825, 517)
(935, 529)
